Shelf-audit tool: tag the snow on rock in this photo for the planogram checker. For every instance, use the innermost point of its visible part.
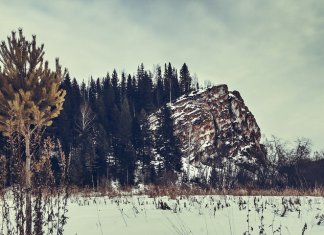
(213, 124)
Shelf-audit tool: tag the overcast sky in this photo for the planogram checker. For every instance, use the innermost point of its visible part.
(270, 51)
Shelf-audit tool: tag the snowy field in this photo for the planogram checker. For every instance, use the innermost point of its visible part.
(195, 215)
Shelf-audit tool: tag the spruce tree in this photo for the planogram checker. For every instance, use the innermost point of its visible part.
(129, 88)
(92, 92)
(145, 85)
(116, 88)
(123, 85)
(175, 86)
(65, 119)
(171, 83)
(166, 85)
(167, 144)
(185, 79)
(125, 122)
(158, 91)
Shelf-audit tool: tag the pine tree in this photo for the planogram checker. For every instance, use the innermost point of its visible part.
(30, 97)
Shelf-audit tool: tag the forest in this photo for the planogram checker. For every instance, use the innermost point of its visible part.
(104, 134)
(101, 127)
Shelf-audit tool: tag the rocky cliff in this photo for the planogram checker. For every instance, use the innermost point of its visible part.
(215, 127)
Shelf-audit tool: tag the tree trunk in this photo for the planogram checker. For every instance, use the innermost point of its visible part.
(28, 188)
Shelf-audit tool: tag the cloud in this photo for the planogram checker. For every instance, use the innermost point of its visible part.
(271, 51)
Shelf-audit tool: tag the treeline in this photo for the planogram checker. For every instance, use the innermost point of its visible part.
(293, 165)
(286, 165)
(104, 133)
(101, 125)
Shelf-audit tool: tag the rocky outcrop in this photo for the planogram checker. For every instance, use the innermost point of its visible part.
(214, 126)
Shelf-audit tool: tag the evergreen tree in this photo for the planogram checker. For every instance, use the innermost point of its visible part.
(69, 115)
(213, 179)
(125, 161)
(143, 146)
(167, 83)
(136, 98)
(84, 92)
(171, 83)
(145, 85)
(123, 85)
(158, 91)
(115, 86)
(130, 94)
(166, 144)
(30, 97)
(175, 86)
(125, 122)
(146, 155)
(111, 111)
(92, 91)
(129, 88)
(98, 87)
(185, 79)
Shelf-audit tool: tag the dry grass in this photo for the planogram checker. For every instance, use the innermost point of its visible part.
(173, 191)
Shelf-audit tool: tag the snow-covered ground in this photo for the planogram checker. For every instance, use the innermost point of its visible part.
(195, 215)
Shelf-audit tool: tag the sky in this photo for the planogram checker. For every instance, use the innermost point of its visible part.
(272, 52)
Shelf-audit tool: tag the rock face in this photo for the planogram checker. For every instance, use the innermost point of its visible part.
(214, 126)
